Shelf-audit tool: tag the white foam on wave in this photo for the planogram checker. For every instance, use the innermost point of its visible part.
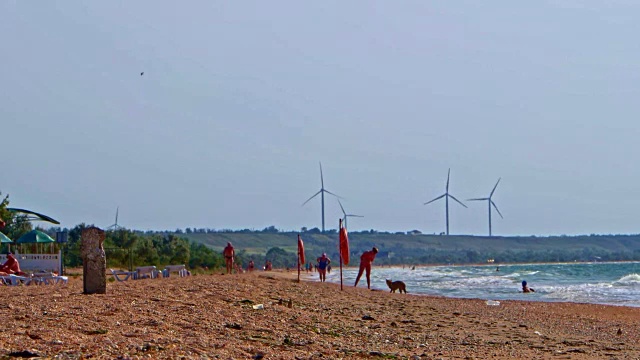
(628, 280)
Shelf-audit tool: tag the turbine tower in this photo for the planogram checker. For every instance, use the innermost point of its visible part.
(347, 215)
(490, 203)
(115, 226)
(321, 192)
(446, 197)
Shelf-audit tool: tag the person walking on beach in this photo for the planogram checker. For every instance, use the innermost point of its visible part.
(365, 264)
(229, 253)
(323, 263)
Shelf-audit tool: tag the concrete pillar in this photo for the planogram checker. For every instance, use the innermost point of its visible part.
(94, 261)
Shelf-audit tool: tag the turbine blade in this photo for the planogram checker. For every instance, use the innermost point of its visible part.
(321, 178)
(448, 174)
(438, 198)
(343, 212)
(454, 198)
(477, 199)
(495, 207)
(329, 192)
(353, 215)
(314, 195)
(494, 188)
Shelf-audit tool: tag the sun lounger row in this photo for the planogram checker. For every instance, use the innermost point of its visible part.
(35, 279)
(151, 272)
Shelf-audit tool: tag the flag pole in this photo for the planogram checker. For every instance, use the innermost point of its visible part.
(340, 252)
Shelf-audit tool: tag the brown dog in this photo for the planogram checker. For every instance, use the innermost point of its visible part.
(396, 285)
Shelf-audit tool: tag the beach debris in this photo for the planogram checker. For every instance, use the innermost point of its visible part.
(290, 304)
(258, 307)
(493, 302)
(258, 356)
(235, 326)
(368, 317)
(619, 331)
(34, 336)
(537, 333)
(24, 354)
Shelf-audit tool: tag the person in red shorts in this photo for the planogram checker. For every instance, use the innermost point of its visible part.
(365, 264)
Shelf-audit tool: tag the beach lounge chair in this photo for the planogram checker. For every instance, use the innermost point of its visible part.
(16, 280)
(49, 279)
(180, 269)
(121, 275)
(145, 271)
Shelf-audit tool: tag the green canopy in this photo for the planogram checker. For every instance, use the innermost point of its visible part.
(35, 236)
(4, 238)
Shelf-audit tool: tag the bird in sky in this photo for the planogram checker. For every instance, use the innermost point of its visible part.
(142, 73)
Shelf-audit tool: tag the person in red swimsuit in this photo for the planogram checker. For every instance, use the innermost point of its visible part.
(365, 264)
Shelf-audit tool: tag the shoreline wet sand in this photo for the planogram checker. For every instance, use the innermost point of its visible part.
(213, 316)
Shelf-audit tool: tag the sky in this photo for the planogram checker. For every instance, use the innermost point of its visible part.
(241, 100)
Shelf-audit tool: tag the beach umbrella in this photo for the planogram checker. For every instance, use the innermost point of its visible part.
(35, 237)
(34, 216)
(4, 239)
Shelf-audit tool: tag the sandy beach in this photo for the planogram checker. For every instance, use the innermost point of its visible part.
(213, 316)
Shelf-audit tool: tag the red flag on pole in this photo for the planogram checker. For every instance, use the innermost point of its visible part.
(344, 246)
(300, 255)
(301, 250)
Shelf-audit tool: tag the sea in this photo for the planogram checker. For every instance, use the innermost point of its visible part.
(609, 283)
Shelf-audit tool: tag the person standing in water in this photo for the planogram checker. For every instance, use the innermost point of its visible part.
(365, 265)
(525, 288)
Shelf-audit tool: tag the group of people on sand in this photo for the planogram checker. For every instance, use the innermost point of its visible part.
(322, 266)
(229, 254)
(366, 259)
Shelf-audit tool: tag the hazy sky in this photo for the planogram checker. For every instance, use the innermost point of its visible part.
(240, 101)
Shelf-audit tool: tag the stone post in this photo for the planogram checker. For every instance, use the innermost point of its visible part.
(94, 261)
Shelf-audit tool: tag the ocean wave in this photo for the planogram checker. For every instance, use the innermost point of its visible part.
(628, 280)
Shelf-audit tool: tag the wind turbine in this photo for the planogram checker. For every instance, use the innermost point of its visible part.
(321, 192)
(490, 203)
(446, 197)
(347, 215)
(116, 226)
